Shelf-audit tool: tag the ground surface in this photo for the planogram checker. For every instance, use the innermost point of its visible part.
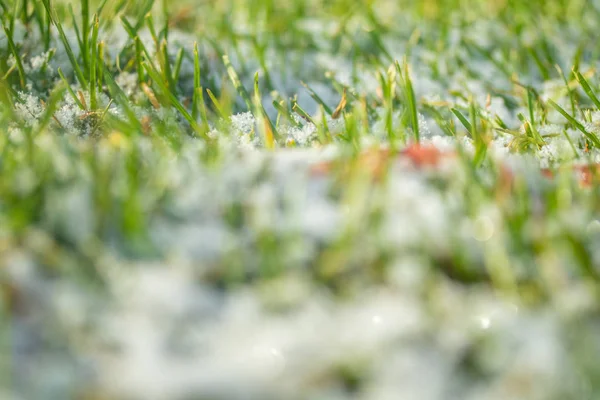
(241, 199)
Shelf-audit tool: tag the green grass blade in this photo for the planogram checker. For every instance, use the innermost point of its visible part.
(587, 88)
(235, 79)
(270, 134)
(157, 79)
(216, 103)
(317, 98)
(70, 90)
(410, 98)
(93, 64)
(66, 44)
(17, 56)
(198, 103)
(178, 63)
(85, 32)
(300, 111)
(463, 120)
(593, 138)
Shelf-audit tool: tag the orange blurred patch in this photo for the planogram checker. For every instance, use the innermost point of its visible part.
(587, 173)
(375, 160)
(425, 156)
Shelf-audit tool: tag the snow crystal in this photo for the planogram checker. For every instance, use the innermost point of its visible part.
(29, 109)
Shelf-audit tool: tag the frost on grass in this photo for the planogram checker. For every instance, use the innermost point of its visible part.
(326, 255)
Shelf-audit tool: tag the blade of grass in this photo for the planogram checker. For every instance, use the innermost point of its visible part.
(593, 138)
(463, 120)
(323, 130)
(316, 98)
(70, 90)
(300, 111)
(480, 144)
(166, 67)
(569, 90)
(216, 103)
(15, 52)
(341, 106)
(587, 88)
(93, 64)
(282, 110)
(85, 32)
(235, 79)
(121, 99)
(198, 104)
(178, 63)
(65, 41)
(410, 98)
(156, 78)
(530, 107)
(78, 35)
(269, 131)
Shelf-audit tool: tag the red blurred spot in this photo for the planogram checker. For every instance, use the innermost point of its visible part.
(424, 155)
(547, 173)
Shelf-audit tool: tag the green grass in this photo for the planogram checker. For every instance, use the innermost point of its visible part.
(303, 154)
